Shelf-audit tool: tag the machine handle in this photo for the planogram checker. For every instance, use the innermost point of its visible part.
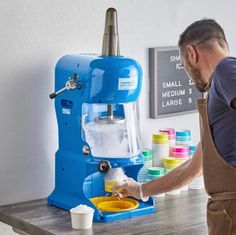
(70, 85)
(53, 95)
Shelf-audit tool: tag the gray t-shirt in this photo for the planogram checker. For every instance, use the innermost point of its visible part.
(222, 116)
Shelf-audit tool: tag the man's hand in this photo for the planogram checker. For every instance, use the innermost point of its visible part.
(130, 188)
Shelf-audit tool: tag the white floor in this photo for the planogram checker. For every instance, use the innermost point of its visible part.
(6, 230)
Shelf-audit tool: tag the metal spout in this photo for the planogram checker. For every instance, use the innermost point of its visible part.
(110, 45)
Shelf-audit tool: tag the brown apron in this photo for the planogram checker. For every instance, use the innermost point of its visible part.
(220, 181)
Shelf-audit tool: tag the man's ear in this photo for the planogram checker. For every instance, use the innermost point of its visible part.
(192, 54)
(233, 103)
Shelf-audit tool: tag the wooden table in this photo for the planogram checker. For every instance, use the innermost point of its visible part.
(182, 214)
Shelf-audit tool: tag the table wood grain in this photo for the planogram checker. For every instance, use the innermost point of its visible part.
(181, 214)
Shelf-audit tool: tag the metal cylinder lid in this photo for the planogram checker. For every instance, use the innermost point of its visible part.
(110, 45)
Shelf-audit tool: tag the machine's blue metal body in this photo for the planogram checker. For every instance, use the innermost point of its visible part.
(103, 80)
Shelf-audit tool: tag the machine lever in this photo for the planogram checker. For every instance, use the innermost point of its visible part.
(70, 85)
(53, 95)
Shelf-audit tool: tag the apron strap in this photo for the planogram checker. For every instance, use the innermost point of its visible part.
(223, 196)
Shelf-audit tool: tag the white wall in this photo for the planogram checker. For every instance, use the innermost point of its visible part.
(35, 34)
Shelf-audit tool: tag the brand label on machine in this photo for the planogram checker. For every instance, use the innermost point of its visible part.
(65, 111)
(128, 83)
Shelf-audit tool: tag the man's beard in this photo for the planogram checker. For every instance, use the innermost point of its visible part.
(200, 88)
(195, 76)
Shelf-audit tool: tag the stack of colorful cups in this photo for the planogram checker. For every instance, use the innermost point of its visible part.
(171, 163)
(171, 136)
(147, 163)
(183, 137)
(181, 152)
(192, 149)
(160, 148)
(154, 173)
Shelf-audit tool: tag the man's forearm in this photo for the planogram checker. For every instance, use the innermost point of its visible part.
(177, 178)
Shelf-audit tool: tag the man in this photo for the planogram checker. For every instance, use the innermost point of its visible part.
(205, 57)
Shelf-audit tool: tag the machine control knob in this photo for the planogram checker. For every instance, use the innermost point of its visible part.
(104, 166)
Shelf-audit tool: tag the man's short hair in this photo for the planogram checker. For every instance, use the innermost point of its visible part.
(203, 32)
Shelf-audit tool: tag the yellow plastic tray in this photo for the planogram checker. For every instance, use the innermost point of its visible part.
(114, 204)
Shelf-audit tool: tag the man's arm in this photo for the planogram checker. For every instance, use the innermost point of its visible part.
(226, 81)
(177, 178)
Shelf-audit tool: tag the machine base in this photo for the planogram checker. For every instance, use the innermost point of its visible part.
(67, 203)
(143, 209)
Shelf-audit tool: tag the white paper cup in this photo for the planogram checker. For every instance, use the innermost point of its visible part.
(82, 217)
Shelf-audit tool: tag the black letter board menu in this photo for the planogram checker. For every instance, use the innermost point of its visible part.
(171, 91)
